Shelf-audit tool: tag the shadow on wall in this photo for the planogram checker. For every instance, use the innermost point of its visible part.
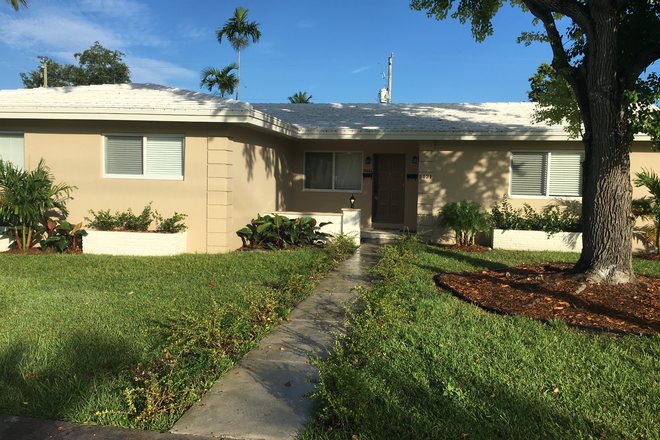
(461, 176)
(275, 166)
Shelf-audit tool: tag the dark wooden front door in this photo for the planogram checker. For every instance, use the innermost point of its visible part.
(389, 181)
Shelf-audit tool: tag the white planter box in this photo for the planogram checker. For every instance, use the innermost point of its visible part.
(134, 243)
(5, 239)
(537, 241)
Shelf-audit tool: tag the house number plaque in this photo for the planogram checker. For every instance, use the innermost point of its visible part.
(425, 177)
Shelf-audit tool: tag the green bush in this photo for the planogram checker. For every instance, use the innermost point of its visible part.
(173, 224)
(279, 232)
(551, 220)
(127, 220)
(62, 235)
(26, 196)
(467, 219)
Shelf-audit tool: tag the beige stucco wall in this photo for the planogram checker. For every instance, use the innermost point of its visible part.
(230, 174)
(479, 171)
(74, 153)
(333, 201)
(260, 178)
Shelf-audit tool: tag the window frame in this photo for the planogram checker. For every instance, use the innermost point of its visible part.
(548, 174)
(16, 133)
(334, 176)
(144, 175)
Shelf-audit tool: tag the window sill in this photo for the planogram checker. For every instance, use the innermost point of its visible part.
(138, 177)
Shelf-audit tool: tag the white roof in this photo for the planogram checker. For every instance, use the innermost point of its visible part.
(149, 102)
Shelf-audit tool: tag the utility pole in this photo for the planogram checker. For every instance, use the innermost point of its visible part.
(45, 67)
(389, 80)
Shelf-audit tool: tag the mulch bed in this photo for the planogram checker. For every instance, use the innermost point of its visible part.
(532, 291)
(38, 251)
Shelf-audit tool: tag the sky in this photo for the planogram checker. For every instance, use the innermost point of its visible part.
(336, 51)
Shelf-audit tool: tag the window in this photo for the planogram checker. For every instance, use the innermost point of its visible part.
(341, 171)
(12, 150)
(150, 156)
(546, 173)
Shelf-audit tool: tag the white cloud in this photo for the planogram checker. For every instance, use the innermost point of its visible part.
(61, 32)
(114, 8)
(190, 31)
(362, 69)
(146, 70)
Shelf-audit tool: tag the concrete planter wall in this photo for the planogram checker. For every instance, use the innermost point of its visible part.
(5, 238)
(347, 223)
(537, 240)
(134, 243)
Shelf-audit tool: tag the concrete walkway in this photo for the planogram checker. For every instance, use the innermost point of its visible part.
(261, 397)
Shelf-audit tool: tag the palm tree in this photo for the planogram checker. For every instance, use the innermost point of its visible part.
(300, 98)
(238, 31)
(17, 3)
(649, 207)
(224, 80)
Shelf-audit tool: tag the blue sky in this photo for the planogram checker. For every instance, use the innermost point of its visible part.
(335, 51)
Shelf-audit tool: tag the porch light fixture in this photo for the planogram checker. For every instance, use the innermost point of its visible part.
(352, 200)
(368, 160)
(415, 158)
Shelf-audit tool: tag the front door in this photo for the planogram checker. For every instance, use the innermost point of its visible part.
(389, 191)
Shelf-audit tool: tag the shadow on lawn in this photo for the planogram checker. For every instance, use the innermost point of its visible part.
(57, 386)
(462, 257)
(454, 404)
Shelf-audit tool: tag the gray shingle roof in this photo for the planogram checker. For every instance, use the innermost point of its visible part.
(306, 121)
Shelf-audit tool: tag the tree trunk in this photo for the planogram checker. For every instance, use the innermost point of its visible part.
(238, 76)
(607, 190)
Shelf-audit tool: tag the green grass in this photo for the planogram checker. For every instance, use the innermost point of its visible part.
(420, 364)
(134, 341)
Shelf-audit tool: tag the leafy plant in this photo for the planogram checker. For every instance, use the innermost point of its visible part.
(649, 207)
(467, 219)
(173, 224)
(25, 196)
(127, 220)
(278, 231)
(132, 222)
(63, 235)
(551, 220)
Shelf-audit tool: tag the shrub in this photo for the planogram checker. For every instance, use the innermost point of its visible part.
(467, 219)
(127, 220)
(63, 235)
(278, 232)
(26, 196)
(173, 224)
(551, 220)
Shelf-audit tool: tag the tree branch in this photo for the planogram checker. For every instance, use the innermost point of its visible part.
(570, 8)
(643, 60)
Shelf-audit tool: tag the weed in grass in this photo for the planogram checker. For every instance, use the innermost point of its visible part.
(420, 364)
(133, 341)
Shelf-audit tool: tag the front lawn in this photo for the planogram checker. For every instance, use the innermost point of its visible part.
(420, 364)
(133, 341)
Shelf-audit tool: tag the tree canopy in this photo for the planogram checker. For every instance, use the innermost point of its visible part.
(238, 31)
(300, 98)
(16, 4)
(96, 65)
(223, 80)
(604, 50)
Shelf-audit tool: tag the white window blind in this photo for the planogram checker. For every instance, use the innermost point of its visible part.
(12, 149)
(340, 171)
(151, 156)
(528, 172)
(164, 156)
(565, 174)
(546, 173)
(123, 155)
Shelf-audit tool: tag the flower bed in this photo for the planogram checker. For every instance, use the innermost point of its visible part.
(537, 240)
(134, 243)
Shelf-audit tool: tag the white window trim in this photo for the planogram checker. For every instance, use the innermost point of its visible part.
(547, 180)
(334, 162)
(143, 176)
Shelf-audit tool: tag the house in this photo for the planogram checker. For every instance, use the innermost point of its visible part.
(223, 161)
